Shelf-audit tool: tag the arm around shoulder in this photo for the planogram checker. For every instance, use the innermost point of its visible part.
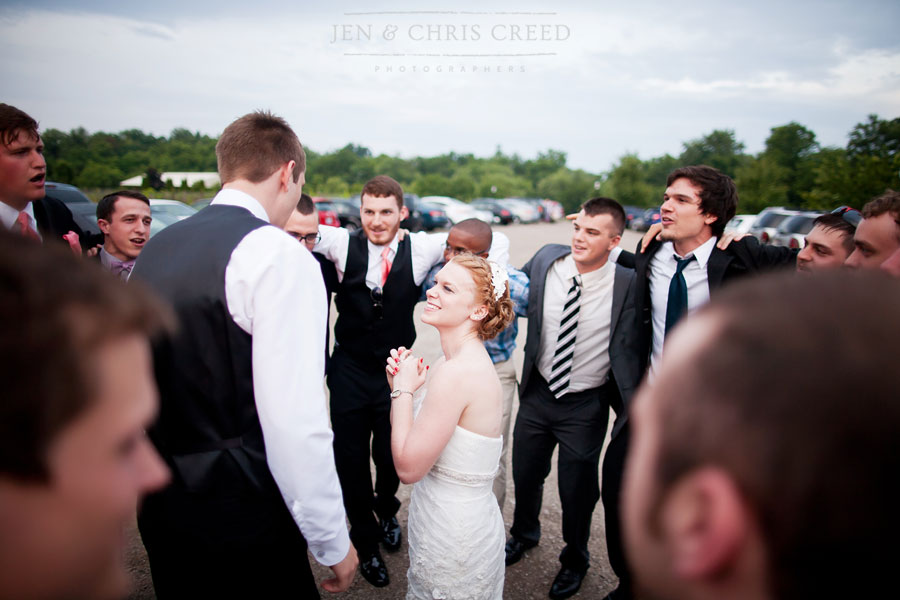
(763, 256)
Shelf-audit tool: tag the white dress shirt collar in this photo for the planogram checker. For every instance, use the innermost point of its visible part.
(8, 215)
(232, 197)
(569, 270)
(375, 249)
(701, 252)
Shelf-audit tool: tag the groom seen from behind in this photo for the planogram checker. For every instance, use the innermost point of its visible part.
(243, 423)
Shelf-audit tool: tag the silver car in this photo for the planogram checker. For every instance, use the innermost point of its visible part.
(792, 231)
(768, 220)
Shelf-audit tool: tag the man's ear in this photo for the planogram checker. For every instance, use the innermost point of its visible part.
(614, 241)
(706, 524)
(286, 175)
(710, 219)
(404, 212)
(103, 224)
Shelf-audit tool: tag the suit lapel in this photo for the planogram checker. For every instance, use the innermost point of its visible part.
(620, 288)
(540, 277)
(41, 220)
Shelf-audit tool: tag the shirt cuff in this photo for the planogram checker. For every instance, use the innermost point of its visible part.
(333, 551)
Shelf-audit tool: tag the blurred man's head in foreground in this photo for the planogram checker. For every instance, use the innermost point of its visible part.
(78, 392)
(765, 453)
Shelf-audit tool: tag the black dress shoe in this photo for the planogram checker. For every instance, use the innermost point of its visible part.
(392, 535)
(374, 570)
(567, 582)
(515, 549)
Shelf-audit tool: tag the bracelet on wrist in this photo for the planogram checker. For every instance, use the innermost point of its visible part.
(398, 393)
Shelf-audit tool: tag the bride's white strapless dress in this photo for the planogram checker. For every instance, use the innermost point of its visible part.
(455, 529)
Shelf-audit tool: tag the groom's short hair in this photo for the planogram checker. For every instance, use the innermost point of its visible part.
(255, 146)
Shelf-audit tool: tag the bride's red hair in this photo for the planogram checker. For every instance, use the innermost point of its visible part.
(500, 312)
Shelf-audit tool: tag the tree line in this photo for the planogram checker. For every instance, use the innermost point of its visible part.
(792, 170)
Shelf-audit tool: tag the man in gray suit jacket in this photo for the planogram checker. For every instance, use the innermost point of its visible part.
(580, 359)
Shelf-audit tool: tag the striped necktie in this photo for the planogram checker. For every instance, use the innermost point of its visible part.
(565, 341)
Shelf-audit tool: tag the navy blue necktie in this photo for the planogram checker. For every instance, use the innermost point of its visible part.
(678, 300)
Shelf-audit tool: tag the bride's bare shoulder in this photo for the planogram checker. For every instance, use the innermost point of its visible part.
(467, 370)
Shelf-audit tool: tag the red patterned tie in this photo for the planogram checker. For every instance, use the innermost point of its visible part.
(385, 264)
(23, 227)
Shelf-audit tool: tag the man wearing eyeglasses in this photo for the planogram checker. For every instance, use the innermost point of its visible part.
(830, 241)
(303, 226)
(876, 237)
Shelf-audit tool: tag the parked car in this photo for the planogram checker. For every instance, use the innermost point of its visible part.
(415, 221)
(740, 224)
(85, 216)
(553, 209)
(630, 213)
(792, 231)
(538, 204)
(167, 212)
(457, 210)
(327, 213)
(82, 209)
(523, 212)
(646, 219)
(346, 214)
(68, 194)
(433, 216)
(171, 208)
(502, 215)
(768, 220)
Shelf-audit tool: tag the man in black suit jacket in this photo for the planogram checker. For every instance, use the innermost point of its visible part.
(698, 202)
(571, 407)
(23, 207)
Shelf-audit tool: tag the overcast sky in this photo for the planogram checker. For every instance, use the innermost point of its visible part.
(593, 79)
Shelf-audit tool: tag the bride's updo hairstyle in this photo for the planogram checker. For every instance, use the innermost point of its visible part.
(500, 309)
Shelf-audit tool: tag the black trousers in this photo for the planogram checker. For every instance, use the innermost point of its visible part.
(361, 420)
(577, 422)
(613, 470)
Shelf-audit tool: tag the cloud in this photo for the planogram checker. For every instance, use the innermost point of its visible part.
(641, 77)
(873, 73)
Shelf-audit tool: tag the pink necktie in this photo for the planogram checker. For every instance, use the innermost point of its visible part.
(385, 264)
(23, 225)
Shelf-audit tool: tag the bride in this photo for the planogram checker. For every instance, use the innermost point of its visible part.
(448, 443)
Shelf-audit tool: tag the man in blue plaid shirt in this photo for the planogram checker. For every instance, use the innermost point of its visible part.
(475, 236)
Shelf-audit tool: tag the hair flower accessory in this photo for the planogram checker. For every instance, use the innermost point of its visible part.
(499, 279)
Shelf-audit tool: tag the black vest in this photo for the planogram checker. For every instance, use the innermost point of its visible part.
(359, 331)
(204, 371)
